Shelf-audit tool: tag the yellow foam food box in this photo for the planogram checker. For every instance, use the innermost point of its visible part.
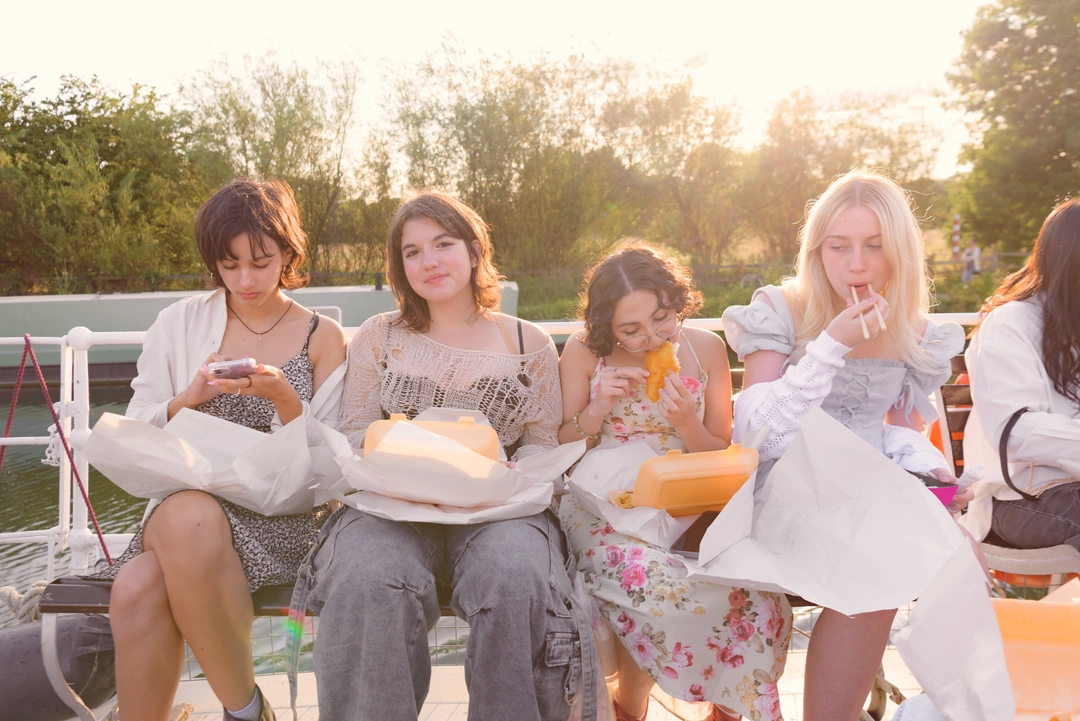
(466, 431)
(685, 484)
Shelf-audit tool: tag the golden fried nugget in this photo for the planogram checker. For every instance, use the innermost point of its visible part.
(659, 363)
(625, 500)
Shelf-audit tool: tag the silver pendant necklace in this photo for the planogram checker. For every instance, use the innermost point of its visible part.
(257, 333)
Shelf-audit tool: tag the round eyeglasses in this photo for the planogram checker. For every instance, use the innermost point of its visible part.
(665, 331)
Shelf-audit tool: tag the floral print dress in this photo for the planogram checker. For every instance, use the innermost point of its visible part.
(699, 641)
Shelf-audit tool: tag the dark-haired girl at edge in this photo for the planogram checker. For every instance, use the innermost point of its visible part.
(1025, 353)
(189, 573)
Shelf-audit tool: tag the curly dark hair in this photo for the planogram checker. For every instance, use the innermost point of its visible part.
(633, 267)
(1053, 274)
(463, 223)
(265, 210)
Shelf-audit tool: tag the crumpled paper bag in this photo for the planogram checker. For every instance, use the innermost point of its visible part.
(275, 474)
(613, 466)
(842, 526)
(415, 475)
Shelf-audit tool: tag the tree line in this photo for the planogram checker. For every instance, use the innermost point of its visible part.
(562, 156)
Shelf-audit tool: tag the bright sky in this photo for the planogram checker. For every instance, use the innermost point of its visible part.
(752, 52)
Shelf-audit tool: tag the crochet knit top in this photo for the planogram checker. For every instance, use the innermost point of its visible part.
(393, 369)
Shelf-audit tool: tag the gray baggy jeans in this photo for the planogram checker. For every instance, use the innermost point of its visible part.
(373, 583)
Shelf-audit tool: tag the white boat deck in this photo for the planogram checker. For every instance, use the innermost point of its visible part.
(448, 698)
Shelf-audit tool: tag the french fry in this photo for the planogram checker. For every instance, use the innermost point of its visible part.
(865, 332)
(877, 310)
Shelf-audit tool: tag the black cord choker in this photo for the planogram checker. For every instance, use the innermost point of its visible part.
(257, 333)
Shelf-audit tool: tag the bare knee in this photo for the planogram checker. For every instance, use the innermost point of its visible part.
(189, 522)
(138, 594)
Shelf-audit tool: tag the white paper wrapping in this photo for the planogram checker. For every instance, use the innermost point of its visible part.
(275, 474)
(840, 525)
(613, 466)
(416, 475)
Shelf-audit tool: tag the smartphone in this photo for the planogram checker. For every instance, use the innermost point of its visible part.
(234, 368)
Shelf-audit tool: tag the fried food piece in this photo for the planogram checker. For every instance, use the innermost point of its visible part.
(659, 363)
(625, 500)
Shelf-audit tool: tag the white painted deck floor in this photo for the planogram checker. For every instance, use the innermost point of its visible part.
(448, 699)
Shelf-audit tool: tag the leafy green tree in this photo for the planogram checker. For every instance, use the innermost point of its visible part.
(283, 121)
(810, 142)
(1018, 75)
(684, 145)
(93, 185)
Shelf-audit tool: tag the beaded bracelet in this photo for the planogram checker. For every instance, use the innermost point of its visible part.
(583, 434)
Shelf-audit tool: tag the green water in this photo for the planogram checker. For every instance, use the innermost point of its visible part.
(29, 492)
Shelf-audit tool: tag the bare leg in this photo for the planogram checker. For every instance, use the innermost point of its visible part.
(149, 648)
(841, 664)
(634, 686)
(208, 592)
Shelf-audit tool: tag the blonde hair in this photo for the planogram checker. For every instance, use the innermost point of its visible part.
(908, 292)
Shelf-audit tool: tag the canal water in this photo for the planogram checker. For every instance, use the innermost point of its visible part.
(29, 491)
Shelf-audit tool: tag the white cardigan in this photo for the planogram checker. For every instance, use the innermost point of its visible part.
(179, 342)
(1007, 373)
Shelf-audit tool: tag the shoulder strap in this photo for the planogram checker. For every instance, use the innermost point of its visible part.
(505, 333)
(701, 371)
(312, 325)
(521, 338)
(1002, 453)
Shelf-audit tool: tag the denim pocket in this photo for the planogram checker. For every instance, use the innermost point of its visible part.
(558, 677)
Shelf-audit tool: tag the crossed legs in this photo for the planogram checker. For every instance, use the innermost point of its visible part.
(187, 584)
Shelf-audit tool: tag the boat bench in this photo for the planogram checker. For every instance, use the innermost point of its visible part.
(954, 407)
(78, 595)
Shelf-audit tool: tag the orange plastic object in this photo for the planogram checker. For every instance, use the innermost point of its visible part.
(935, 435)
(693, 483)
(480, 438)
(1042, 652)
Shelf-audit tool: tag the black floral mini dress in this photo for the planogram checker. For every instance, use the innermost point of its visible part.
(271, 548)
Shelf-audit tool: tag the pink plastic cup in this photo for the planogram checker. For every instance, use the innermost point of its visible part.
(944, 493)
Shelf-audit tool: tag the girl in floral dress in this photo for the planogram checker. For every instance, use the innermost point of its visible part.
(699, 641)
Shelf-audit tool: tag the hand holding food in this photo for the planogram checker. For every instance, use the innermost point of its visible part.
(659, 363)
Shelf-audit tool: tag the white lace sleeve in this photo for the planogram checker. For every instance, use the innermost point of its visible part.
(911, 450)
(782, 404)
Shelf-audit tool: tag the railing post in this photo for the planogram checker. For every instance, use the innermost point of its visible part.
(67, 360)
(81, 542)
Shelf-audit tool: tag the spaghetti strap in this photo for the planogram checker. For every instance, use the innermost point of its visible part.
(505, 333)
(701, 371)
(521, 339)
(312, 325)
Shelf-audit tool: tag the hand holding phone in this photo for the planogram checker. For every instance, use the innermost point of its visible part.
(233, 369)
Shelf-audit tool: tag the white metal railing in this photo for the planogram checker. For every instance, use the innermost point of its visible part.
(73, 409)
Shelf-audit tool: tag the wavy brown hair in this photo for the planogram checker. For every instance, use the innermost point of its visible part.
(1052, 275)
(265, 210)
(462, 223)
(634, 267)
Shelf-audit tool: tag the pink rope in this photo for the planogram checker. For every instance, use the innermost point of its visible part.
(14, 400)
(67, 447)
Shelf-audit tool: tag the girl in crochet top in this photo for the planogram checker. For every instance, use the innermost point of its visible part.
(376, 580)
